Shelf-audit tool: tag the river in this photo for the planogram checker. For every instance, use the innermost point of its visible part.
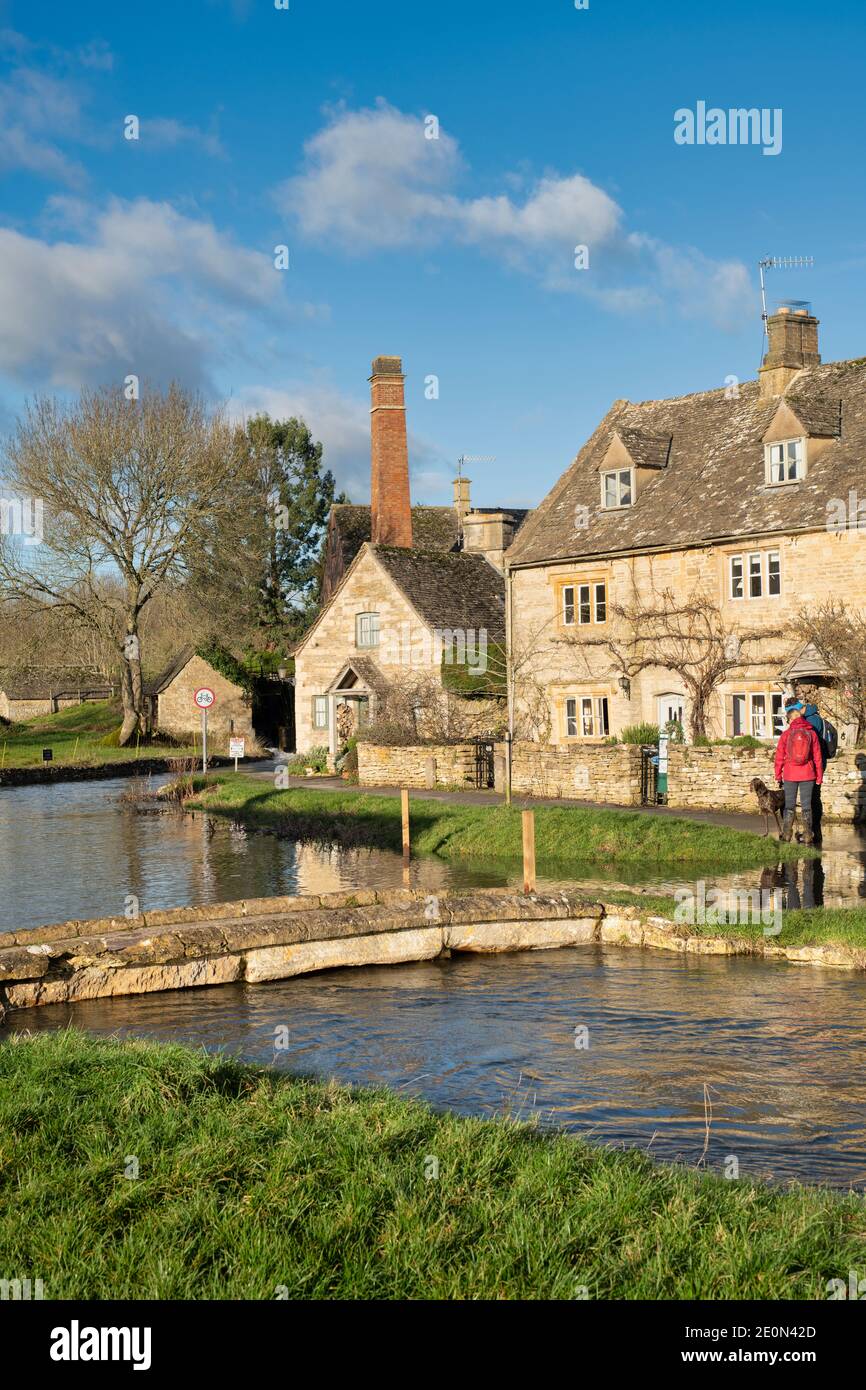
(78, 849)
(778, 1047)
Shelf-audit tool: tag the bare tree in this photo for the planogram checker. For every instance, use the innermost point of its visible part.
(125, 488)
(838, 634)
(687, 636)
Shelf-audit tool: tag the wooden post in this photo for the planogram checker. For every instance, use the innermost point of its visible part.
(529, 851)
(404, 811)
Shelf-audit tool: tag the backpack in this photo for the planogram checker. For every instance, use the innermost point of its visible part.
(830, 740)
(800, 747)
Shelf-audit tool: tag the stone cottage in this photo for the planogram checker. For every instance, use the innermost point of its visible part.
(30, 691)
(170, 707)
(402, 584)
(697, 523)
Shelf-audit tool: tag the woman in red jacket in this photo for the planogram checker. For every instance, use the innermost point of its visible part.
(798, 769)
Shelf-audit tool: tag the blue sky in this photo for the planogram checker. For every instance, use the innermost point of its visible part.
(306, 128)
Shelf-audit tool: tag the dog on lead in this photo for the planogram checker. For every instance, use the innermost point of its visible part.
(770, 801)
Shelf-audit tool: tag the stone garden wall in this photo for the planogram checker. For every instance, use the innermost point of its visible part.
(442, 765)
(578, 772)
(710, 779)
(718, 779)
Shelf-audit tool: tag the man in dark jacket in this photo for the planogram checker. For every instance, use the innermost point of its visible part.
(799, 769)
(811, 715)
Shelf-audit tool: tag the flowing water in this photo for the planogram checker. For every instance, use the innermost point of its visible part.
(778, 1047)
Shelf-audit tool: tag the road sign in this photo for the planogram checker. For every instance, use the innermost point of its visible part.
(204, 698)
(236, 749)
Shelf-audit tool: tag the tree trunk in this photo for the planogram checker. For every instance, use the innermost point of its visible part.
(130, 686)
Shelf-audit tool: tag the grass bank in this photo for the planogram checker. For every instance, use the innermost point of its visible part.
(818, 926)
(564, 836)
(83, 735)
(249, 1181)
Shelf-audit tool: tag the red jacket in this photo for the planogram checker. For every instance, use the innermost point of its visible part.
(809, 771)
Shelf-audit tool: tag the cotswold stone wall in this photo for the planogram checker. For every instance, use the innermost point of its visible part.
(706, 779)
(587, 772)
(718, 779)
(442, 765)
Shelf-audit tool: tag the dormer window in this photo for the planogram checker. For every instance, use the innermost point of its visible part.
(617, 488)
(786, 461)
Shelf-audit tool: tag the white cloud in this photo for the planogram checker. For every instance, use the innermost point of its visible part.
(37, 113)
(372, 180)
(149, 291)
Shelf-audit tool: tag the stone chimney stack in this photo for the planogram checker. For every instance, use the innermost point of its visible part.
(390, 507)
(462, 504)
(793, 339)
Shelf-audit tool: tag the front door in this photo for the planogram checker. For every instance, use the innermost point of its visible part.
(672, 708)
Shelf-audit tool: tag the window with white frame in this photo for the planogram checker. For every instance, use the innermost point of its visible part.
(584, 603)
(756, 575)
(759, 713)
(320, 711)
(786, 461)
(367, 630)
(617, 488)
(587, 716)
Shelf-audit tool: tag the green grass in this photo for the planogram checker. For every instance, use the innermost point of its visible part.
(819, 926)
(250, 1182)
(82, 734)
(564, 836)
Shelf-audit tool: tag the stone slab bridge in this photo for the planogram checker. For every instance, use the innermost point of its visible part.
(275, 938)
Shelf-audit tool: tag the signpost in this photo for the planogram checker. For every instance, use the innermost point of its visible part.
(236, 750)
(204, 699)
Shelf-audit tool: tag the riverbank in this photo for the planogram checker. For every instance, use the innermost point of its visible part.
(83, 744)
(563, 835)
(249, 1184)
(843, 929)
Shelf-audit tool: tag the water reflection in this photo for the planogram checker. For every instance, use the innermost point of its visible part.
(779, 1047)
(79, 849)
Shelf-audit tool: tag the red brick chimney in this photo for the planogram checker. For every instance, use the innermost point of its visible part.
(390, 508)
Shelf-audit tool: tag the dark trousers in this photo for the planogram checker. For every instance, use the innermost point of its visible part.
(817, 812)
(806, 791)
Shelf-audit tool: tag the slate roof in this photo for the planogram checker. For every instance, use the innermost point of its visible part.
(713, 487)
(365, 669)
(157, 684)
(646, 450)
(40, 683)
(433, 528)
(449, 590)
(819, 415)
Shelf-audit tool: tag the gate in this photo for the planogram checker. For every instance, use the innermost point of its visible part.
(484, 767)
(649, 770)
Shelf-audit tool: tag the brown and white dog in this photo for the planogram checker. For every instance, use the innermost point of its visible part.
(771, 802)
